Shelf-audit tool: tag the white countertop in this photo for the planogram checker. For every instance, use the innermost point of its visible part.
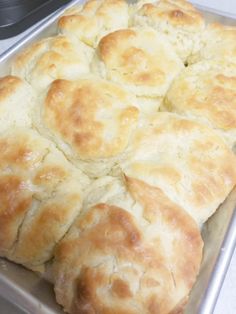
(227, 299)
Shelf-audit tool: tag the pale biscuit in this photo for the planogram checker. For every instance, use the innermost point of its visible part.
(140, 60)
(52, 58)
(217, 42)
(177, 20)
(185, 159)
(136, 253)
(91, 120)
(206, 92)
(94, 20)
(41, 194)
(17, 101)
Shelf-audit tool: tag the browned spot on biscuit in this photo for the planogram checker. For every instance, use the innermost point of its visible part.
(121, 289)
(15, 201)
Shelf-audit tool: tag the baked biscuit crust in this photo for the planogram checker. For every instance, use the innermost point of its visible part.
(17, 101)
(52, 58)
(187, 160)
(8, 86)
(178, 20)
(217, 42)
(117, 260)
(41, 194)
(206, 92)
(140, 60)
(93, 117)
(94, 20)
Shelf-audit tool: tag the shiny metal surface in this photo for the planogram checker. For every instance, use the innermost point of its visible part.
(35, 295)
(9, 308)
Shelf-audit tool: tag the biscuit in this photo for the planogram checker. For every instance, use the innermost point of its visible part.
(206, 92)
(177, 20)
(91, 120)
(17, 101)
(94, 20)
(217, 42)
(50, 59)
(140, 60)
(139, 257)
(41, 194)
(188, 161)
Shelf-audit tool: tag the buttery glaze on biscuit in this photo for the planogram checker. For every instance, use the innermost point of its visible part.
(41, 194)
(186, 159)
(141, 257)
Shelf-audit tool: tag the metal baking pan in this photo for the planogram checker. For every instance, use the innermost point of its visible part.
(35, 294)
(18, 15)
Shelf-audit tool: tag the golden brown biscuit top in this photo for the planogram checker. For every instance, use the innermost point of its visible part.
(140, 59)
(95, 117)
(40, 192)
(8, 86)
(178, 13)
(180, 23)
(116, 264)
(15, 201)
(95, 19)
(206, 91)
(23, 152)
(50, 59)
(187, 160)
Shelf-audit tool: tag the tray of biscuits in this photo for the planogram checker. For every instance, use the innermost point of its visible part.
(117, 159)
